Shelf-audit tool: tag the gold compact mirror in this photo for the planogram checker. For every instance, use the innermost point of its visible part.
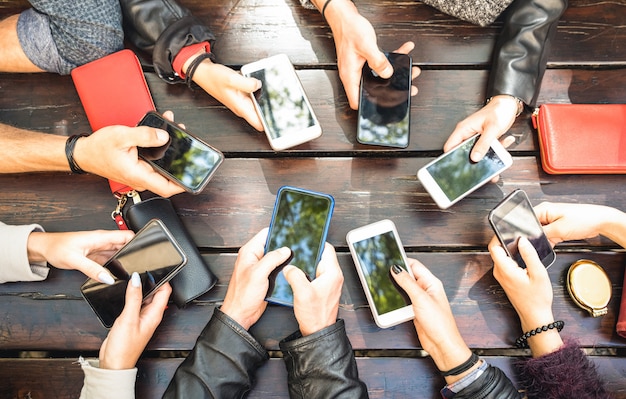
(589, 286)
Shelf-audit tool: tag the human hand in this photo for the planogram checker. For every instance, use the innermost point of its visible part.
(530, 292)
(491, 121)
(434, 321)
(316, 303)
(134, 327)
(245, 297)
(564, 222)
(111, 152)
(230, 88)
(85, 251)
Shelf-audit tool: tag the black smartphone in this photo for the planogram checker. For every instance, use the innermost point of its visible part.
(513, 218)
(385, 104)
(300, 222)
(153, 253)
(185, 159)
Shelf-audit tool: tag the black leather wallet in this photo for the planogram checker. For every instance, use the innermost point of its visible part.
(196, 278)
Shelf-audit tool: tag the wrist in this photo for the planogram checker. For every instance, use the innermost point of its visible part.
(35, 246)
(336, 11)
(510, 102)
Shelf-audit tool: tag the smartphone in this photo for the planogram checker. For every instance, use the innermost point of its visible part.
(300, 221)
(452, 176)
(153, 253)
(374, 249)
(513, 218)
(287, 116)
(185, 159)
(385, 104)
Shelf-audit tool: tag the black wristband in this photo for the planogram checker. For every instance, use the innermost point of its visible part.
(69, 153)
(191, 70)
(522, 342)
(468, 364)
(324, 8)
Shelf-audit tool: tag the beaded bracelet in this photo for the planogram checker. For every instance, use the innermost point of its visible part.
(466, 365)
(522, 342)
(69, 153)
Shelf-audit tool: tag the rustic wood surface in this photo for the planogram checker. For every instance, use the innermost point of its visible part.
(45, 326)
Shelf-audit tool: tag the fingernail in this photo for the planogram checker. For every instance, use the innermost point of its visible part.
(476, 156)
(135, 280)
(387, 72)
(284, 251)
(105, 278)
(258, 84)
(396, 269)
(162, 135)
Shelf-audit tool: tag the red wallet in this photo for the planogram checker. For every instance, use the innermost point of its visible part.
(620, 327)
(113, 91)
(582, 138)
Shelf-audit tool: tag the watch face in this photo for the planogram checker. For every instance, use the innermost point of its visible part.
(589, 286)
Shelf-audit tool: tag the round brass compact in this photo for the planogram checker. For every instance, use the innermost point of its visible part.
(589, 286)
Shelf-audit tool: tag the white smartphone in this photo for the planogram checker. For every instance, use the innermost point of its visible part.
(452, 176)
(287, 116)
(375, 248)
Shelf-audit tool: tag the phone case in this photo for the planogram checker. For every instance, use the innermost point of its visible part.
(196, 278)
(113, 91)
(582, 138)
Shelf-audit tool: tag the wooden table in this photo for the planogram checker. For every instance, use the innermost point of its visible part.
(45, 326)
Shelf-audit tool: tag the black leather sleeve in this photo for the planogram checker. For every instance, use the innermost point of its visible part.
(492, 384)
(322, 365)
(163, 28)
(222, 363)
(520, 54)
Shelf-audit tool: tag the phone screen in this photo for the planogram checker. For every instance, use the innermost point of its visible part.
(385, 104)
(186, 159)
(456, 174)
(152, 253)
(300, 221)
(375, 257)
(513, 218)
(281, 99)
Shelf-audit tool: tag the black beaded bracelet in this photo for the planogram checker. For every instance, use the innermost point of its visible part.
(69, 153)
(191, 70)
(468, 364)
(522, 342)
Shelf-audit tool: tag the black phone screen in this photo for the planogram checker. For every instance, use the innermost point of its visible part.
(185, 158)
(281, 100)
(456, 174)
(300, 221)
(151, 253)
(513, 218)
(385, 104)
(375, 256)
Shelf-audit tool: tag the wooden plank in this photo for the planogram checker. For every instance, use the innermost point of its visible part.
(385, 377)
(37, 316)
(366, 189)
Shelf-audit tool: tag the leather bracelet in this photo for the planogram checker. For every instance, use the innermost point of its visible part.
(69, 153)
(324, 8)
(463, 367)
(522, 342)
(191, 70)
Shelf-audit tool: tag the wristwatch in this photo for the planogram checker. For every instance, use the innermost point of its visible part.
(589, 286)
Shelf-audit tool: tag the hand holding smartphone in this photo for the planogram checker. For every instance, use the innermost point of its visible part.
(287, 115)
(453, 175)
(374, 249)
(300, 221)
(185, 159)
(385, 104)
(153, 253)
(513, 218)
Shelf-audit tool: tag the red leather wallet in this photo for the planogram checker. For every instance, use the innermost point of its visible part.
(582, 138)
(113, 91)
(620, 327)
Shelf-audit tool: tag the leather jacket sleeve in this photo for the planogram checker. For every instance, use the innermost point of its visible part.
(163, 28)
(322, 365)
(222, 363)
(492, 384)
(520, 53)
